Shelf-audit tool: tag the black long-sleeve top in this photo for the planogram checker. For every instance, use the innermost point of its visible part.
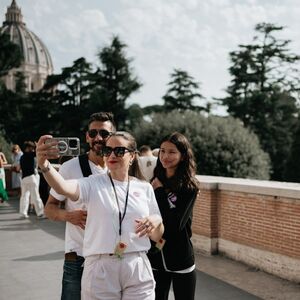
(176, 211)
(28, 164)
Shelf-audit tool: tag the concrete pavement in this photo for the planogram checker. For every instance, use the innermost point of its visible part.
(31, 260)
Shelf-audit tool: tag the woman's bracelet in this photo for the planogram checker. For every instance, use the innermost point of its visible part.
(46, 169)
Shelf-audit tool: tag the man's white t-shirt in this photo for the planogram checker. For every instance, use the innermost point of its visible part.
(147, 165)
(74, 234)
(102, 226)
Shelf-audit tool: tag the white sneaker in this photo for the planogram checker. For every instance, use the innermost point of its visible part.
(24, 216)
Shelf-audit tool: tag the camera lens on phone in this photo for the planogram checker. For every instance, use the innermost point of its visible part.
(62, 146)
(73, 143)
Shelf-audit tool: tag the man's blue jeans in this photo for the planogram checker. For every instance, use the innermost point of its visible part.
(71, 283)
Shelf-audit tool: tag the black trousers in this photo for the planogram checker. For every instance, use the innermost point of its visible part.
(184, 285)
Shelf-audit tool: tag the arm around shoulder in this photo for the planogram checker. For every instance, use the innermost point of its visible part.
(53, 210)
(55, 213)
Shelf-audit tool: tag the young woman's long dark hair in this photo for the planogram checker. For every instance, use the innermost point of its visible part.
(186, 169)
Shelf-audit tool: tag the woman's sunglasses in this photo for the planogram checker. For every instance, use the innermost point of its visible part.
(118, 151)
(102, 132)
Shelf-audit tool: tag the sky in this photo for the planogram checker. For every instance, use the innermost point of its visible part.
(193, 35)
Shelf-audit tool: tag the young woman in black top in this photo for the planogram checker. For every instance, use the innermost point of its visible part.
(176, 190)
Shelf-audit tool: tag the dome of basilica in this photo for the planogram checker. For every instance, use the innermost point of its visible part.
(37, 63)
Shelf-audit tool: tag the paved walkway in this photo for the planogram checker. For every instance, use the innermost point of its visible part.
(31, 259)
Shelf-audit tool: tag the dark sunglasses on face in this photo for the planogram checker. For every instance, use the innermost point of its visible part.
(118, 151)
(102, 132)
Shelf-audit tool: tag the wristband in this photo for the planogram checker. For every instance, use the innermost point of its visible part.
(46, 169)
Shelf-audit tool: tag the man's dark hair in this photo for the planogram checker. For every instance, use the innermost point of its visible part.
(144, 148)
(103, 117)
(28, 144)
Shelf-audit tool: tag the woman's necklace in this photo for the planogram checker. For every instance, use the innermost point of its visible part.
(121, 246)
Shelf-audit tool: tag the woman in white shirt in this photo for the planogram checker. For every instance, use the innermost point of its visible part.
(122, 213)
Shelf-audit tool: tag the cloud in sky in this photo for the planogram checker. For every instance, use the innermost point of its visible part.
(161, 35)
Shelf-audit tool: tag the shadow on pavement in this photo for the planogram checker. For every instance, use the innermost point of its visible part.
(211, 288)
(32, 223)
(45, 257)
(5, 220)
(18, 227)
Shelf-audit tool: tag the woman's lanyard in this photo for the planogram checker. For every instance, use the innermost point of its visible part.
(121, 218)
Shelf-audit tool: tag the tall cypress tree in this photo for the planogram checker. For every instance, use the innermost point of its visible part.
(114, 81)
(182, 92)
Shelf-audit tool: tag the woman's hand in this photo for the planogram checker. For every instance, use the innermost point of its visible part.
(156, 183)
(146, 226)
(77, 217)
(45, 151)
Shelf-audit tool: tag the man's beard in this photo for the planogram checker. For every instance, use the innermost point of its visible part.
(95, 147)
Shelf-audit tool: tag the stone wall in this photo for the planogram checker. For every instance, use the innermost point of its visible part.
(256, 222)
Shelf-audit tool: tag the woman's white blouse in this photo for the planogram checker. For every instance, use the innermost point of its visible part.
(102, 225)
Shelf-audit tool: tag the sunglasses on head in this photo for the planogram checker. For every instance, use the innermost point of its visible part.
(102, 132)
(118, 151)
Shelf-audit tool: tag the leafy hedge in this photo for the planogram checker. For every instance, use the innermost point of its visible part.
(222, 146)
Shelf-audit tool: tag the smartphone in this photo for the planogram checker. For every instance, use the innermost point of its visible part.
(67, 146)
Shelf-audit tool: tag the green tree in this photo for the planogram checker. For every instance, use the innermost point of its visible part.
(263, 92)
(114, 81)
(222, 146)
(135, 116)
(10, 54)
(151, 109)
(72, 86)
(20, 83)
(57, 109)
(10, 57)
(182, 92)
(12, 107)
(11, 104)
(46, 118)
(68, 94)
(292, 168)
